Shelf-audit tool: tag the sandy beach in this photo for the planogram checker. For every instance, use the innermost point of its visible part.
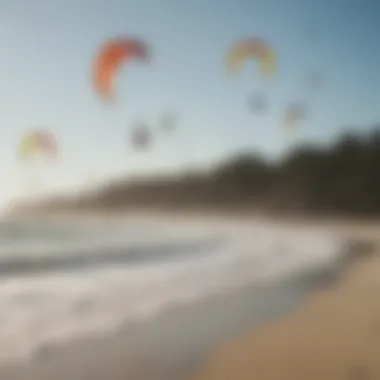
(334, 334)
(305, 328)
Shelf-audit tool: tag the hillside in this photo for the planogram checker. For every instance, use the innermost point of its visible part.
(341, 179)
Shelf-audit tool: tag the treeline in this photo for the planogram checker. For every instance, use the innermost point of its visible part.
(340, 179)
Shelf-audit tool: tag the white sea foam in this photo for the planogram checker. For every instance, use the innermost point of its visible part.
(58, 305)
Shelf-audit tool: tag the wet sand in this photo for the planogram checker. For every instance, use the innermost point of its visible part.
(333, 335)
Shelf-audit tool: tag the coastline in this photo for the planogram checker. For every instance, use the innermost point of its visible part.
(150, 351)
(334, 334)
(168, 347)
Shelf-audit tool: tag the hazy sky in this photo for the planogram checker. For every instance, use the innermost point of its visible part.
(47, 50)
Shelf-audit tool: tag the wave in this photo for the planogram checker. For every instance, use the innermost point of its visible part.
(56, 303)
(105, 255)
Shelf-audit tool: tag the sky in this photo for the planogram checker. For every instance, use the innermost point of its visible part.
(48, 49)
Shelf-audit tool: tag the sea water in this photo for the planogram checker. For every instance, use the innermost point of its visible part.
(61, 279)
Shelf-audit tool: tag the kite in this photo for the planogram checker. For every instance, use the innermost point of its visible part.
(141, 137)
(252, 48)
(168, 122)
(36, 144)
(257, 103)
(109, 60)
(294, 114)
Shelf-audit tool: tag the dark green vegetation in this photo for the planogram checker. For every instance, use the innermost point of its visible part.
(340, 179)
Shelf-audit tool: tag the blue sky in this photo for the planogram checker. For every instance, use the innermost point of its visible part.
(48, 48)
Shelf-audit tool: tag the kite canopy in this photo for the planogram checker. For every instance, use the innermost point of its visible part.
(109, 60)
(294, 114)
(315, 80)
(37, 143)
(168, 122)
(141, 136)
(257, 103)
(252, 48)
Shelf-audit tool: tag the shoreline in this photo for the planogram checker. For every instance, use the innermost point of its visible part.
(332, 335)
(174, 344)
(116, 357)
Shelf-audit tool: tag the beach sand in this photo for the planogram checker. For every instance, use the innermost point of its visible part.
(333, 335)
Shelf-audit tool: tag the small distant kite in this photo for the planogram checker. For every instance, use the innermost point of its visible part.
(109, 60)
(168, 122)
(257, 103)
(294, 114)
(38, 144)
(255, 48)
(141, 137)
(315, 80)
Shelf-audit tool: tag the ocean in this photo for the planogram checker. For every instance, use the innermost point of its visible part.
(62, 279)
